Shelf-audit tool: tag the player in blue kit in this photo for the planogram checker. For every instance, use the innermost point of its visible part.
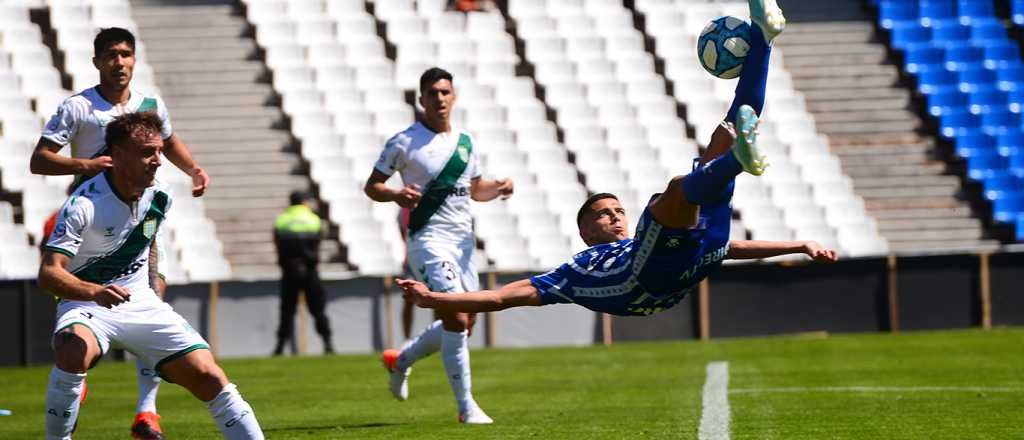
(683, 234)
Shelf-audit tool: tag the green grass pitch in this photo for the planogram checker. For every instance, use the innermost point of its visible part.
(926, 385)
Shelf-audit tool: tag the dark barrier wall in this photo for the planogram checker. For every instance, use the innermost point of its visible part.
(12, 320)
(756, 299)
(1007, 281)
(679, 322)
(938, 292)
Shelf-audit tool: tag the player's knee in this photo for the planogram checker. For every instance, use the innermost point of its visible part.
(71, 352)
(208, 381)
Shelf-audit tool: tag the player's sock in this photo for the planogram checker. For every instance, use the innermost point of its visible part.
(709, 183)
(753, 81)
(62, 402)
(233, 415)
(425, 344)
(148, 385)
(455, 354)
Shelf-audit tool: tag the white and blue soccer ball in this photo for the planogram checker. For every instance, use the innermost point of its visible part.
(723, 45)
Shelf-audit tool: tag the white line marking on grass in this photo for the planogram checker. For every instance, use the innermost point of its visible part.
(875, 390)
(714, 419)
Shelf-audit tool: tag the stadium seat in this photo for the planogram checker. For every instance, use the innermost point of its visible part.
(890, 11)
(987, 29)
(1002, 54)
(949, 32)
(1008, 207)
(1017, 12)
(953, 124)
(946, 101)
(924, 57)
(973, 10)
(930, 10)
(983, 165)
(976, 143)
(908, 33)
(1001, 185)
(997, 122)
(963, 57)
(987, 101)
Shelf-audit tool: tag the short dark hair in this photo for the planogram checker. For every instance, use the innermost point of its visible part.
(297, 197)
(433, 75)
(111, 36)
(129, 125)
(590, 201)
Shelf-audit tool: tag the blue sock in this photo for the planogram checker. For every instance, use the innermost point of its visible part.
(754, 78)
(712, 182)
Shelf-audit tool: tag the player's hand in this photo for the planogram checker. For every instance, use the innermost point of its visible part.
(414, 291)
(96, 165)
(111, 295)
(819, 253)
(409, 196)
(200, 180)
(505, 188)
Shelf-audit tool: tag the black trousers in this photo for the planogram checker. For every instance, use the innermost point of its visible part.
(309, 281)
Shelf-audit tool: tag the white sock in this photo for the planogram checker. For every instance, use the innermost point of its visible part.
(62, 400)
(149, 382)
(424, 344)
(455, 354)
(234, 416)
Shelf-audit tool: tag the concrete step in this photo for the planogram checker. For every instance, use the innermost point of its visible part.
(904, 203)
(274, 168)
(833, 50)
(214, 44)
(855, 82)
(814, 95)
(235, 29)
(222, 192)
(948, 246)
(961, 211)
(215, 135)
(864, 128)
(827, 27)
(905, 182)
(265, 146)
(174, 90)
(928, 223)
(893, 159)
(260, 271)
(220, 100)
(186, 17)
(212, 77)
(232, 111)
(265, 248)
(874, 170)
(894, 139)
(880, 149)
(262, 181)
(227, 122)
(797, 60)
(267, 235)
(172, 66)
(239, 52)
(787, 40)
(232, 215)
(859, 104)
(244, 204)
(180, 8)
(877, 115)
(935, 234)
(833, 72)
(909, 192)
(239, 158)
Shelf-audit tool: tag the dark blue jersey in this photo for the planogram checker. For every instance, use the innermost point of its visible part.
(646, 274)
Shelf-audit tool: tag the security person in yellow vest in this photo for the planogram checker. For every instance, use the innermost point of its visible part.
(297, 238)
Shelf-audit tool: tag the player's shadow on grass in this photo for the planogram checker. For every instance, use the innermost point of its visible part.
(331, 427)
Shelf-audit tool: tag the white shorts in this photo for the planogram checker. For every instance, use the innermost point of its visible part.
(445, 268)
(156, 334)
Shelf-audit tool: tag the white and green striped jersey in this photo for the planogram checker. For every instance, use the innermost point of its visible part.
(81, 120)
(422, 156)
(108, 239)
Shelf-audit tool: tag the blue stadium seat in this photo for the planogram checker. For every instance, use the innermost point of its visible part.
(946, 101)
(1001, 54)
(1017, 12)
(998, 122)
(1020, 227)
(923, 57)
(905, 33)
(890, 11)
(930, 10)
(987, 101)
(1015, 100)
(963, 57)
(972, 9)
(985, 29)
(983, 165)
(1000, 184)
(973, 144)
(931, 81)
(974, 79)
(1016, 164)
(958, 123)
(1011, 78)
(1008, 207)
(1010, 143)
(947, 32)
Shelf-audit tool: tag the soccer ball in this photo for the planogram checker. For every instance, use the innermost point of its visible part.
(723, 45)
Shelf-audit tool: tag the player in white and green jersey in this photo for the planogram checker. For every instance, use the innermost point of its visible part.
(441, 174)
(80, 122)
(99, 261)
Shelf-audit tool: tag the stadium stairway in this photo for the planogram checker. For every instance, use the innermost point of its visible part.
(222, 105)
(854, 91)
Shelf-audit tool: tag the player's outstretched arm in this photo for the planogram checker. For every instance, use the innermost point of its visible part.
(517, 294)
(748, 249)
(483, 190)
(47, 160)
(178, 154)
(55, 279)
(378, 191)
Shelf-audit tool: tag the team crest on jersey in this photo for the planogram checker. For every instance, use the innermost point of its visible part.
(463, 153)
(149, 228)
